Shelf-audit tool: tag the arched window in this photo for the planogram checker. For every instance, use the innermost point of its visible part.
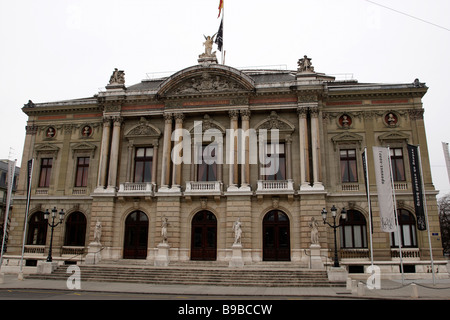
(75, 230)
(37, 229)
(407, 224)
(354, 230)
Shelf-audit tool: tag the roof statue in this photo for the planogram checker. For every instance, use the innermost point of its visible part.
(118, 77)
(208, 56)
(208, 47)
(304, 65)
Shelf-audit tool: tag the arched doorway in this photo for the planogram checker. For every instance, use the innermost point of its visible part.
(276, 237)
(136, 236)
(204, 236)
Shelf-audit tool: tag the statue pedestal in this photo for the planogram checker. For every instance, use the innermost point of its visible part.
(315, 258)
(236, 259)
(94, 255)
(162, 257)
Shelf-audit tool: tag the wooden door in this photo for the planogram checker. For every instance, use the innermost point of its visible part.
(204, 236)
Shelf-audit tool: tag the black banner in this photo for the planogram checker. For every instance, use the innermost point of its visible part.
(416, 179)
(366, 183)
(219, 39)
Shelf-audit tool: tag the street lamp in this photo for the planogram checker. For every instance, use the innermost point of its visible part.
(53, 225)
(334, 226)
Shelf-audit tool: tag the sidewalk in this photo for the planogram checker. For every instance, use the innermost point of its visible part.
(390, 289)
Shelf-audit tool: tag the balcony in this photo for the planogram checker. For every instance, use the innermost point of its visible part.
(275, 187)
(206, 188)
(136, 189)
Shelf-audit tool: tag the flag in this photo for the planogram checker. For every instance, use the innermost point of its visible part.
(220, 8)
(366, 183)
(219, 38)
(384, 188)
(416, 179)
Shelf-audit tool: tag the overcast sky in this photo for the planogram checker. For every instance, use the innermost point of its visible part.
(61, 49)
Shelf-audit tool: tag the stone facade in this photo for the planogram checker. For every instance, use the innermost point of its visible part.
(316, 118)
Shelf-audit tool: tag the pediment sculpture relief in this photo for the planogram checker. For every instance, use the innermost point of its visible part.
(206, 83)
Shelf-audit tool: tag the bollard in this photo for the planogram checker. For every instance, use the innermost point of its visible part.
(361, 289)
(354, 287)
(349, 284)
(415, 291)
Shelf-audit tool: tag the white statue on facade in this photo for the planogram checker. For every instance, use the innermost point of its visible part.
(164, 225)
(314, 226)
(237, 231)
(98, 231)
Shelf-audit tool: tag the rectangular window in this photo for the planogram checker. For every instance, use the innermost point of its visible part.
(398, 169)
(275, 156)
(348, 165)
(143, 162)
(207, 169)
(46, 170)
(81, 179)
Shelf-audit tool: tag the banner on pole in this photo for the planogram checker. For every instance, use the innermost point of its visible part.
(366, 183)
(384, 188)
(416, 180)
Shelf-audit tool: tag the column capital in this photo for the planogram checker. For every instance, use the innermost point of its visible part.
(314, 111)
(117, 120)
(179, 117)
(302, 112)
(245, 114)
(233, 114)
(168, 117)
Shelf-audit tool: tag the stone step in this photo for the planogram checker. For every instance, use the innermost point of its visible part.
(196, 276)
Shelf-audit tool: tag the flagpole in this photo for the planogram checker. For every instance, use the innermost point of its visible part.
(370, 209)
(426, 215)
(30, 177)
(396, 217)
(11, 172)
(223, 43)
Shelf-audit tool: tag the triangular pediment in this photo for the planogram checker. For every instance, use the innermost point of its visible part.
(347, 138)
(393, 136)
(84, 147)
(46, 149)
(213, 79)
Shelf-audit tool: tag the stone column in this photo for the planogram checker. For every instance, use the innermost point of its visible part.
(176, 174)
(315, 146)
(288, 155)
(245, 167)
(130, 177)
(165, 172)
(303, 134)
(103, 167)
(232, 159)
(155, 162)
(114, 158)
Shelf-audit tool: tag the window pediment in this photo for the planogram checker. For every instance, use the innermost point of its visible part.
(143, 129)
(274, 121)
(393, 136)
(84, 147)
(46, 149)
(347, 138)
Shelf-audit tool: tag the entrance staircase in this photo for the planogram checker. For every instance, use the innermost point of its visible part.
(193, 273)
